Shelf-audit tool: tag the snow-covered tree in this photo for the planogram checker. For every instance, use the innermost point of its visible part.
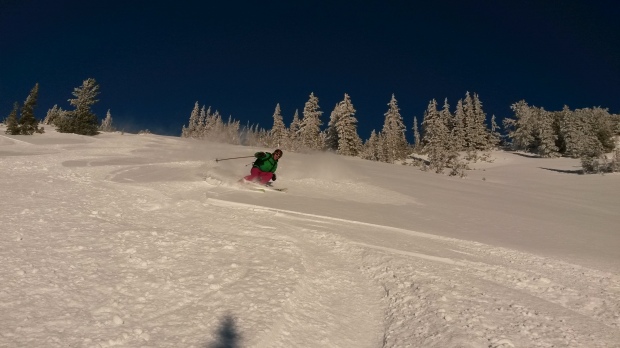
(458, 131)
(570, 133)
(278, 131)
(494, 135)
(584, 133)
(54, 114)
(615, 119)
(475, 132)
(469, 121)
(216, 127)
(202, 121)
(370, 149)
(448, 120)
(106, 124)
(12, 123)
(28, 124)
(331, 133)
(416, 135)
(604, 128)
(232, 131)
(615, 161)
(81, 120)
(293, 133)
(521, 128)
(192, 130)
(383, 149)
(437, 144)
(394, 133)
(480, 135)
(212, 122)
(349, 142)
(310, 127)
(546, 137)
(597, 137)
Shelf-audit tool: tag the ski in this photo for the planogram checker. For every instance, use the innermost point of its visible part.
(261, 188)
(267, 188)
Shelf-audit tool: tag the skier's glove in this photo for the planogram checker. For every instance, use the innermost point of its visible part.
(259, 155)
(273, 177)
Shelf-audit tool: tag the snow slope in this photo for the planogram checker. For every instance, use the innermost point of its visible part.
(146, 241)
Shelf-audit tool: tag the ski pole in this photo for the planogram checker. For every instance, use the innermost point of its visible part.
(226, 159)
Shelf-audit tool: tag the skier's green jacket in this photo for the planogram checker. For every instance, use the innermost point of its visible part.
(265, 162)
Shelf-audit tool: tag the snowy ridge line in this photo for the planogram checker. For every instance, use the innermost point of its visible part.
(414, 254)
(224, 203)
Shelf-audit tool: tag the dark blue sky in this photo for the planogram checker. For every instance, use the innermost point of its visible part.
(154, 59)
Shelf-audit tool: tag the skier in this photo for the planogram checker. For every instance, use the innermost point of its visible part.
(264, 168)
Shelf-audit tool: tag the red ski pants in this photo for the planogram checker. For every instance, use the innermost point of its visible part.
(258, 175)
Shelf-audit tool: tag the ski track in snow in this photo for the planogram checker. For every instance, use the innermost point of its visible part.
(495, 289)
(112, 256)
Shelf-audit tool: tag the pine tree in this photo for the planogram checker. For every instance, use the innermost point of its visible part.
(615, 161)
(349, 142)
(383, 149)
(370, 149)
(480, 135)
(570, 133)
(278, 131)
(202, 122)
(394, 133)
(437, 144)
(468, 122)
(194, 119)
(232, 131)
(293, 132)
(210, 123)
(539, 131)
(591, 144)
(28, 124)
(217, 125)
(310, 127)
(448, 121)
(494, 135)
(521, 128)
(459, 132)
(547, 138)
(184, 132)
(603, 127)
(416, 135)
(12, 124)
(106, 124)
(54, 114)
(331, 137)
(322, 136)
(82, 120)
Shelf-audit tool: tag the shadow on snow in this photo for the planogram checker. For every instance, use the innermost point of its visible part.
(227, 335)
(565, 171)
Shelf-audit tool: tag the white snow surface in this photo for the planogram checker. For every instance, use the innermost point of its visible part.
(147, 241)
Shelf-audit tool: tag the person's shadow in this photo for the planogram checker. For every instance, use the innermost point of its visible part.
(227, 335)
